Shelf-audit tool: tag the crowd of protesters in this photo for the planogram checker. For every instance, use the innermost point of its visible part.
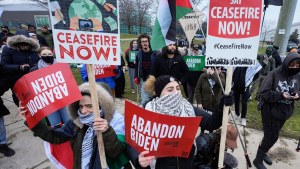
(158, 77)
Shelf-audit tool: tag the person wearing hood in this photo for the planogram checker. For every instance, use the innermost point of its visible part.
(278, 92)
(45, 33)
(81, 130)
(20, 55)
(168, 100)
(133, 46)
(4, 33)
(17, 57)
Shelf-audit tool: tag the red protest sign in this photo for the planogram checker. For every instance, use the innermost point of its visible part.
(234, 18)
(233, 32)
(162, 135)
(46, 90)
(102, 71)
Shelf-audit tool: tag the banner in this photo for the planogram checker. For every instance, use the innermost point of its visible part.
(46, 90)
(233, 32)
(86, 31)
(195, 63)
(162, 135)
(190, 23)
(132, 55)
(102, 71)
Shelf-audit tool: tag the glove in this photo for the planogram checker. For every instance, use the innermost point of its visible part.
(137, 80)
(116, 71)
(226, 100)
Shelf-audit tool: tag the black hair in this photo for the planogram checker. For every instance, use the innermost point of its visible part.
(164, 51)
(143, 36)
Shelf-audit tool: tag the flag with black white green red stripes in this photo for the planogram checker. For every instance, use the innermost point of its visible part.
(169, 11)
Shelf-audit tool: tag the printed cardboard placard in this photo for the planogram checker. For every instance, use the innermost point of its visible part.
(86, 31)
(102, 71)
(233, 32)
(46, 90)
(132, 55)
(162, 135)
(195, 63)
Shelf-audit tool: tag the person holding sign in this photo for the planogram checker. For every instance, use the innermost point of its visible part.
(169, 101)
(278, 92)
(47, 58)
(107, 80)
(130, 56)
(81, 130)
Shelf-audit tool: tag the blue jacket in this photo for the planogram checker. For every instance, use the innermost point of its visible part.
(108, 80)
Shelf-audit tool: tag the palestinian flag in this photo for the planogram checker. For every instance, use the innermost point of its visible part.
(183, 7)
(169, 11)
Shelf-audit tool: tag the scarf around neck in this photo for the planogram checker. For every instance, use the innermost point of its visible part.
(87, 143)
(172, 104)
(42, 64)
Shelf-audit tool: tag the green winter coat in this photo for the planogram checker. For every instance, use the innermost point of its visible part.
(204, 94)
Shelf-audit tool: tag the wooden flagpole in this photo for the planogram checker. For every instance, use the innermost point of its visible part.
(95, 102)
(225, 118)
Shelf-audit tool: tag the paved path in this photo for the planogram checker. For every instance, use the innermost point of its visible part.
(30, 152)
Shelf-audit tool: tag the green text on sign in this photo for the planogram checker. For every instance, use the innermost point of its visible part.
(195, 63)
(132, 55)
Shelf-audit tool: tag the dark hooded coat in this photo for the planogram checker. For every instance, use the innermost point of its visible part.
(12, 57)
(276, 83)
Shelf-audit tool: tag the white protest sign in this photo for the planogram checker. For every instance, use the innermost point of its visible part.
(190, 23)
(85, 33)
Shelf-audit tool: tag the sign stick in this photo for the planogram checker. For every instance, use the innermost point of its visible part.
(225, 118)
(95, 103)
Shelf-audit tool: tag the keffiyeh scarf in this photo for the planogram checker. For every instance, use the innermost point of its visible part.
(87, 143)
(172, 104)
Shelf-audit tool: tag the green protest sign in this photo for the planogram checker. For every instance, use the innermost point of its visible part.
(132, 55)
(195, 63)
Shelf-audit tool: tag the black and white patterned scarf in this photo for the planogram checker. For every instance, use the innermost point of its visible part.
(172, 104)
(87, 143)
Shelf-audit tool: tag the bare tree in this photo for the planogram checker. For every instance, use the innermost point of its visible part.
(142, 7)
(127, 13)
(266, 32)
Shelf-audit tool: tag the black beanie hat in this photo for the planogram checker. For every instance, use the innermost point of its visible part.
(161, 82)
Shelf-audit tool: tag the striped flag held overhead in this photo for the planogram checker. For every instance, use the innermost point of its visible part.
(169, 11)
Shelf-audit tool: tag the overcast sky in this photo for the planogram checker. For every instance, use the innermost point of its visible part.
(272, 13)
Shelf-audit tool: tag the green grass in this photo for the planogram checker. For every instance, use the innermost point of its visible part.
(290, 129)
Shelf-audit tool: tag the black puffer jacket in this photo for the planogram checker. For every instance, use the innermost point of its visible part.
(276, 83)
(12, 57)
